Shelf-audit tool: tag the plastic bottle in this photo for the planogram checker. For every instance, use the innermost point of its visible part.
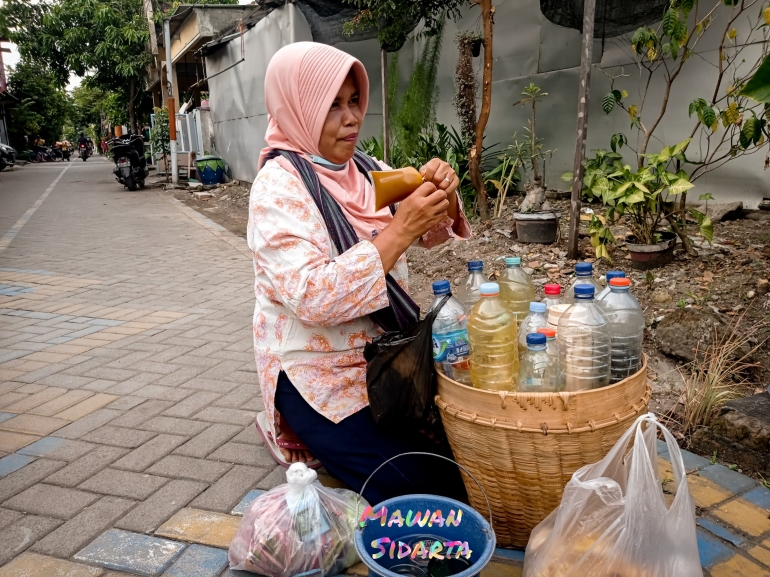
(611, 274)
(551, 345)
(552, 295)
(469, 293)
(535, 319)
(451, 348)
(584, 275)
(538, 373)
(584, 343)
(554, 314)
(516, 288)
(626, 320)
(494, 350)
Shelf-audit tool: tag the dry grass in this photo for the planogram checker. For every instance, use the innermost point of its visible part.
(720, 373)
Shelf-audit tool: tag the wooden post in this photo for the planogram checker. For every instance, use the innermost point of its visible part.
(586, 58)
(385, 123)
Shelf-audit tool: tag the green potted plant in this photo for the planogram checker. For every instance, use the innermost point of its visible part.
(534, 219)
(641, 199)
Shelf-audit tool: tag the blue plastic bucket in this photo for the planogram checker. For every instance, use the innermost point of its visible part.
(471, 530)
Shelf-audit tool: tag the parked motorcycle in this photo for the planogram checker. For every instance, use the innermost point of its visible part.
(7, 156)
(130, 164)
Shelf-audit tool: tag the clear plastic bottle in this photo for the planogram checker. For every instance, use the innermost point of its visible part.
(552, 295)
(539, 372)
(494, 350)
(611, 274)
(535, 319)
(551, 344)
(583, 275)
(516, 288)
(468, 294)
(626, 320)
(584, 343)
(451, 348)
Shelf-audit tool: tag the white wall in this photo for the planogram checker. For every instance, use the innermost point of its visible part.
(527, 48)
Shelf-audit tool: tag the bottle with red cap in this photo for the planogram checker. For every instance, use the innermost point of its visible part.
(626, 320)
(552, 295)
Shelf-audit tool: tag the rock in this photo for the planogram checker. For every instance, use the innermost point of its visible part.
(763, 286)
(740, 434)
(751, 294)
(758, 215)
(203, 194)
(719, 211)
(661, 296)
(684, 330)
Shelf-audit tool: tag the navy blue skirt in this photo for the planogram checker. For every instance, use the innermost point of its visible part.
(353, 448)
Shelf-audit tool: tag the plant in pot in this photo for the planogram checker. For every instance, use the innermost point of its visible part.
(535, 221)
(640, 199)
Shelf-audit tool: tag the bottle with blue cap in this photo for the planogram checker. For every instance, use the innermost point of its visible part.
(611, 274)
(469, 294)
(536, 319)
(538, 372)
(516, 288)
(494, 349)
(583, 335)
(626, 319)
(451, 348)
(584, 274)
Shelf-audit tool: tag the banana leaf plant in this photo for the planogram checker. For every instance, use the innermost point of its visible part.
(643, 198)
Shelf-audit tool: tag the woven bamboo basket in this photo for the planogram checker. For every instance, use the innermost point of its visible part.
(524, 447)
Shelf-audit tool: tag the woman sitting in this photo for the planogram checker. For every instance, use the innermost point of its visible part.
(317, 305)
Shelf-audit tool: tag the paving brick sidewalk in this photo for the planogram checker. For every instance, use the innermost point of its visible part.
(128, 394)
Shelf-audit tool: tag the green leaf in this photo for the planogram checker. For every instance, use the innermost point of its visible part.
(636, 197)
(679, 186)
(617, 141)
(681, 146)
(641, 187)
(617, 94)
(608, 102)
(707, 116)
(567, 177)
(670, 18)
(706, 196)
(707, 229)
(758, 86)
(750, 132)
(686, 5)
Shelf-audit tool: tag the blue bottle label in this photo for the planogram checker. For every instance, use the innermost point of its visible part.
(451, 347)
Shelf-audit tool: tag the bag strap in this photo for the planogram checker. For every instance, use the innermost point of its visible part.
(403, 311)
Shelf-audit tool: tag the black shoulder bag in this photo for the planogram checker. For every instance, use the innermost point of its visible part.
(400, 375)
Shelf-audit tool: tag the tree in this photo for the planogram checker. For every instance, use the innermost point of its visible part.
(43, 106)
(487, 13)
(103, 41)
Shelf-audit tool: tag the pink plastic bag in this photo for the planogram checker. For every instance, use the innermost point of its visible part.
(300, 528)
(613, 519)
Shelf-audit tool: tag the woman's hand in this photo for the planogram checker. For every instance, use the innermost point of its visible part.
(420, 212)
(443, 176)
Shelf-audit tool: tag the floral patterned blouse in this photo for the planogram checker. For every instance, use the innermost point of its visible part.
(310, 318)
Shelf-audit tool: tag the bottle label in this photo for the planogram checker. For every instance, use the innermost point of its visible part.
(452, 347)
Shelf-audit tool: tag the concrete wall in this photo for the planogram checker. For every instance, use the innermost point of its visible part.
(528, 48)
(237, 96)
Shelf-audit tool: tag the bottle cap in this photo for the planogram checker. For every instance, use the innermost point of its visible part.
(549, 333)
(555, 312)
(537, 307)
(512, 261)
(611, 274)
(536, 339)
(584, 268)
(489, 289)
(620, 282)
(552, 289)
(474, 265)
(441, 287)
(585, 290)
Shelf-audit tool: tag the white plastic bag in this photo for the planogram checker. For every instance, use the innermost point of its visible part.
(298, 529)
(613, 519)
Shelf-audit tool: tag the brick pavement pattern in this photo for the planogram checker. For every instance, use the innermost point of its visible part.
(128, 393)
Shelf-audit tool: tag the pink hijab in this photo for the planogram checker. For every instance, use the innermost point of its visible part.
(301, 83)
